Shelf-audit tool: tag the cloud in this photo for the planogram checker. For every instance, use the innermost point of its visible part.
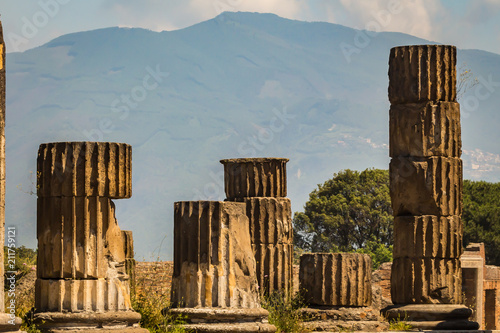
(413, 17)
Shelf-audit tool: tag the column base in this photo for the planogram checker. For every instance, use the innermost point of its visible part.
(335, 319)
(201, 320)
(83, 322)
(10, 323)
(432, 316)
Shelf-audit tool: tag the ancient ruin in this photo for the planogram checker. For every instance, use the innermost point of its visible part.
(8, 322)
(337, 288)
(82, 280)
(426, 188)
(260, 183)
(215, 279)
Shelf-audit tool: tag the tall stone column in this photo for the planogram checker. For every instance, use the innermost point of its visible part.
(260, 183)
(426, 188)
(8, 322)
(213, 283)
(82, 280)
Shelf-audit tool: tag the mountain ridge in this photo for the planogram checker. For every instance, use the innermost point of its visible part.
(219, 87)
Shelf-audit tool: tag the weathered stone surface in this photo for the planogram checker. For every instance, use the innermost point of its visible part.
(432, 312)
(82, 283)
(426, 281)
(78, 238)
(336, 279)
(426, 186)
(330, 326)
(254, 177)
(433, 316)
(95, 322)
(230, 328)
(363, 313)
(428, 236)
(274, 264)
(271, 234)
(7, 324)
(85, 169)
(270, 220)
(128, 247)
(425, 129)
(99, 295)
(224, 320)
(421, 73)
(213, 261)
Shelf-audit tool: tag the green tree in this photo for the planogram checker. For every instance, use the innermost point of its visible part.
(481, 217)
(346, 213)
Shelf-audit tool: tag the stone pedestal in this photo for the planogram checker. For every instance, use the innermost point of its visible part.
(214, 281)
(337, 288)
(261, 184)
(426, 188)
(82, 282)
(8, 322)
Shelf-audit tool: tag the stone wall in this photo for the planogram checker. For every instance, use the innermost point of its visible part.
(154, 277)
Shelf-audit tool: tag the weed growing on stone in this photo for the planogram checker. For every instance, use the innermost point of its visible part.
(151, 302)
(399, 325)
(284, 311)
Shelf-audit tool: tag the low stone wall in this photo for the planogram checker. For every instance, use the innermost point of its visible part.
(154, 277)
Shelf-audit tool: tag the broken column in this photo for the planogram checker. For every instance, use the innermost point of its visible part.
(426, 188)
(260, 183)
(337, 288)
(82, 281)
(214, 285)
(8, 322)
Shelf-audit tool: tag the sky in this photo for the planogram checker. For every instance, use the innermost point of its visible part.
(466, 24)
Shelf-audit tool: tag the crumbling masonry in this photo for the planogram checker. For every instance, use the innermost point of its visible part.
(225, 252)
(426, 188)
(82, 279)
(260, 183)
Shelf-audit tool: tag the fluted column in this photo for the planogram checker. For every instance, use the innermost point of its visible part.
(82, 253)
(426, 185)
(261, 184)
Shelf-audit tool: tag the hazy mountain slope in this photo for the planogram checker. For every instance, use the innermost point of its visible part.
(239, 85)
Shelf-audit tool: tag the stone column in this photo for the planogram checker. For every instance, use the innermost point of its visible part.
(82, 281)
(214, 283)
(8, 322)
(261, 184)
(337, 288)
(426, 188)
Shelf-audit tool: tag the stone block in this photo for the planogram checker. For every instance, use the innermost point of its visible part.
(422, 73)
(254, 177)
(89, 322)
(426, 186)
(425, 129)
(427, 236)
(336, 279)
(274, 267)
(78, 238)
(270, 220)
(426, 281)
(85, 169)
(83, 295)
(213, 261)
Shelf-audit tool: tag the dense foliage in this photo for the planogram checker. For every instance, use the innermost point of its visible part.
(347, 213)
(481, 217)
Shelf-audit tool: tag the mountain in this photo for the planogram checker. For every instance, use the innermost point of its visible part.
(238, 85)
